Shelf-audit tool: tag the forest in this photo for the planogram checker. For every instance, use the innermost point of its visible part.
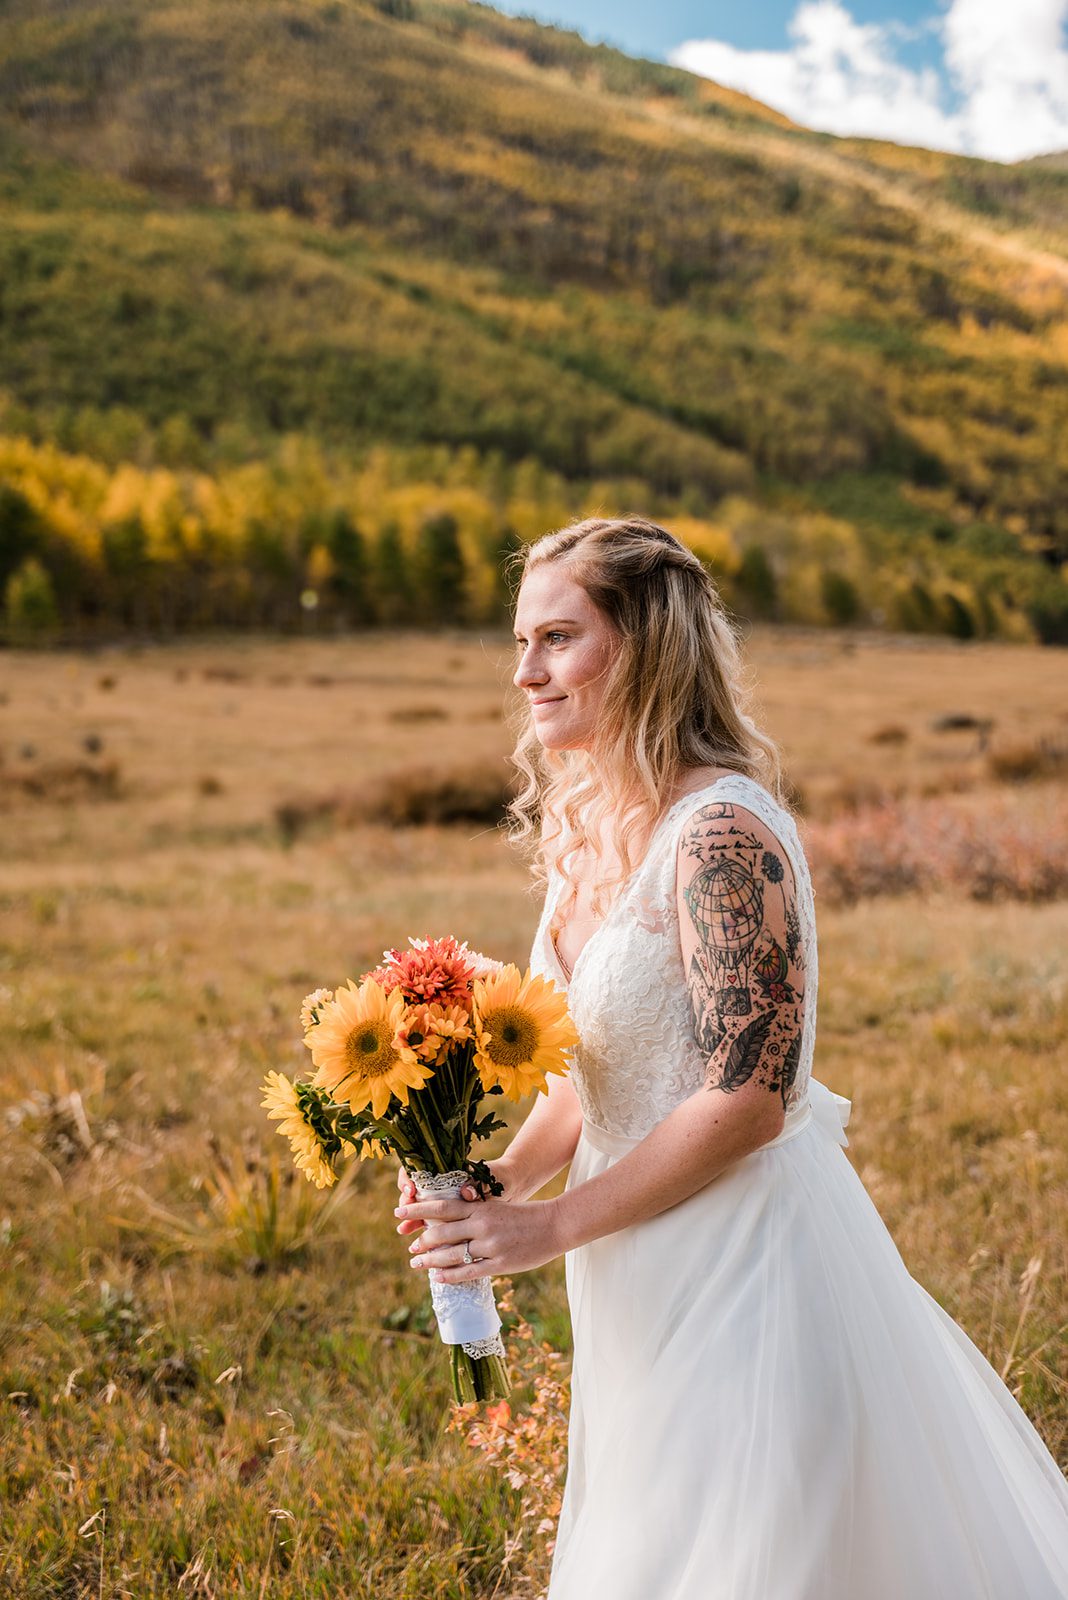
(301, 302)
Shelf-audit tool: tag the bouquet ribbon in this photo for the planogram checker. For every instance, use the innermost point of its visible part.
(466, 1313)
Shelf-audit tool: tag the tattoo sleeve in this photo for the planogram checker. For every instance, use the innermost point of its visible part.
(741, 949)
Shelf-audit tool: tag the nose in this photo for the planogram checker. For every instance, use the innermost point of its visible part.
(528, 674)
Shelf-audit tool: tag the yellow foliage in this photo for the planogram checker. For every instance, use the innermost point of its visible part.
(712, 543)
(320, 567)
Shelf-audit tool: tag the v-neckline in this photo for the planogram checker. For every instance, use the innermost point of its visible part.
(569, 978)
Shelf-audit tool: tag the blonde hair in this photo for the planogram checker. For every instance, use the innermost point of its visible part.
(675, 698)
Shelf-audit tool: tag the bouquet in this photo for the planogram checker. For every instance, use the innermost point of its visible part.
(404, 1059)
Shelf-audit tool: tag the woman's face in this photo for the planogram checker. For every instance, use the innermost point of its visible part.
(564, 646)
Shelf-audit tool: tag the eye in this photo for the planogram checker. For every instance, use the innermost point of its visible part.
(555, 635)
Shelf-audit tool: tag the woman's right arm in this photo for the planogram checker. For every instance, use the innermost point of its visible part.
(544, 1144)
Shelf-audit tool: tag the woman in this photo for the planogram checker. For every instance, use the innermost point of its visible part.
(765, 1404)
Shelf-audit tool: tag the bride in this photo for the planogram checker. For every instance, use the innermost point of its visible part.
(765, 1404)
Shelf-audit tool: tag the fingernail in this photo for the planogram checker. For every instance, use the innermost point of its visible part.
(401, 1211)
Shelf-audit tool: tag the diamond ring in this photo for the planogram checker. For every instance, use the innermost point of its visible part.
(468, 1257)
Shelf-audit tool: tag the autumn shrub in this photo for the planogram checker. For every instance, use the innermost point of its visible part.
(428, 795)
(29, 608)
(414, 797)
(420, 713)
(956, 779)
(525, 1445)
(895, 847)
(856, 792)
(63, 782)
(1026, 759)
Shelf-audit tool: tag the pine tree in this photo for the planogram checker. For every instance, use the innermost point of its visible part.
(394, 596)
(755, 584)
(30, 609)
(442, 591)
(351, 582)
(19, 533)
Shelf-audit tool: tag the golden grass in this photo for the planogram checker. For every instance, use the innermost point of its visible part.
(208, 1389)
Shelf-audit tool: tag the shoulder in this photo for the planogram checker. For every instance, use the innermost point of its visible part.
(734, 823)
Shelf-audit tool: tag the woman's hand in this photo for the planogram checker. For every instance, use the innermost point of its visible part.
(503, 1236)
(500, 1169)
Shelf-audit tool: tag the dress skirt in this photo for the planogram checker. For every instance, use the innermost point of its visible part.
(766, 1405)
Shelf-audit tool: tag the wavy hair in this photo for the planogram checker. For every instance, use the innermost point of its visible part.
(675, 697)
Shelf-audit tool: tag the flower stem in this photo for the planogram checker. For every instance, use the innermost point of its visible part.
(426, 1130)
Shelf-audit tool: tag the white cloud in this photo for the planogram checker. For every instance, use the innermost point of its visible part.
(1003, 92)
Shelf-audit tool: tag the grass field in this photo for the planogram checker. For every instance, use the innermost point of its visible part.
(215, 1381)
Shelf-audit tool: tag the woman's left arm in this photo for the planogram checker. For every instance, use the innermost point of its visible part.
(742, 955)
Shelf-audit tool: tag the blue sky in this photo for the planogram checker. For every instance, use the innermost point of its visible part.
(984, 77)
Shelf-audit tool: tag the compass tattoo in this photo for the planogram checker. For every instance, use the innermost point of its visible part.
(743, 938)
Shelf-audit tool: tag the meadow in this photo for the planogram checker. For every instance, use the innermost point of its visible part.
(216, 1381)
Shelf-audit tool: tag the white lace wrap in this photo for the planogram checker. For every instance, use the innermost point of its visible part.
(466, 1312)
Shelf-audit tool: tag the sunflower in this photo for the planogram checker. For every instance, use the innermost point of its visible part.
(280, 1102)
(523, 1029)
(356, 1049)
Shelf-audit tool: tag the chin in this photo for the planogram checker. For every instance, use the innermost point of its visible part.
(550, 743)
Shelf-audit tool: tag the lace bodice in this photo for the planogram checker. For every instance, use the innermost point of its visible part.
(638, 1057)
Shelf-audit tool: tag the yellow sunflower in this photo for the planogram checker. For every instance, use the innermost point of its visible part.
(523, 1029)
(356, 1050)
(280, 1102)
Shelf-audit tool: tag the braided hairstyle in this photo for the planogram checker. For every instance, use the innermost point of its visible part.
(675, 698)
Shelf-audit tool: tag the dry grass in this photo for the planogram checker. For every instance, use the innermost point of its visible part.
(216, 1383)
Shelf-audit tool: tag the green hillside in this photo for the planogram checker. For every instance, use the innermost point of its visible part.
(568, 275)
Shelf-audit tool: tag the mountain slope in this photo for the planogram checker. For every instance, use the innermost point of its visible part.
(431, 222)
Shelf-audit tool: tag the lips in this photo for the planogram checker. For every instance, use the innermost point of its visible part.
(554, 702)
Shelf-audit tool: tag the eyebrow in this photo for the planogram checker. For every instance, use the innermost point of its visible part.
(569, 622)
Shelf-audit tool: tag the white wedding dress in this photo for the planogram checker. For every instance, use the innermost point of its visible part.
(765, 1404)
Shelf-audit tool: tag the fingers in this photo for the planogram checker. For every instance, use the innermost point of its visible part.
(406, 1196)
(441, 1237)
(444, 1252)
(421, 1211)
(446, 1210)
